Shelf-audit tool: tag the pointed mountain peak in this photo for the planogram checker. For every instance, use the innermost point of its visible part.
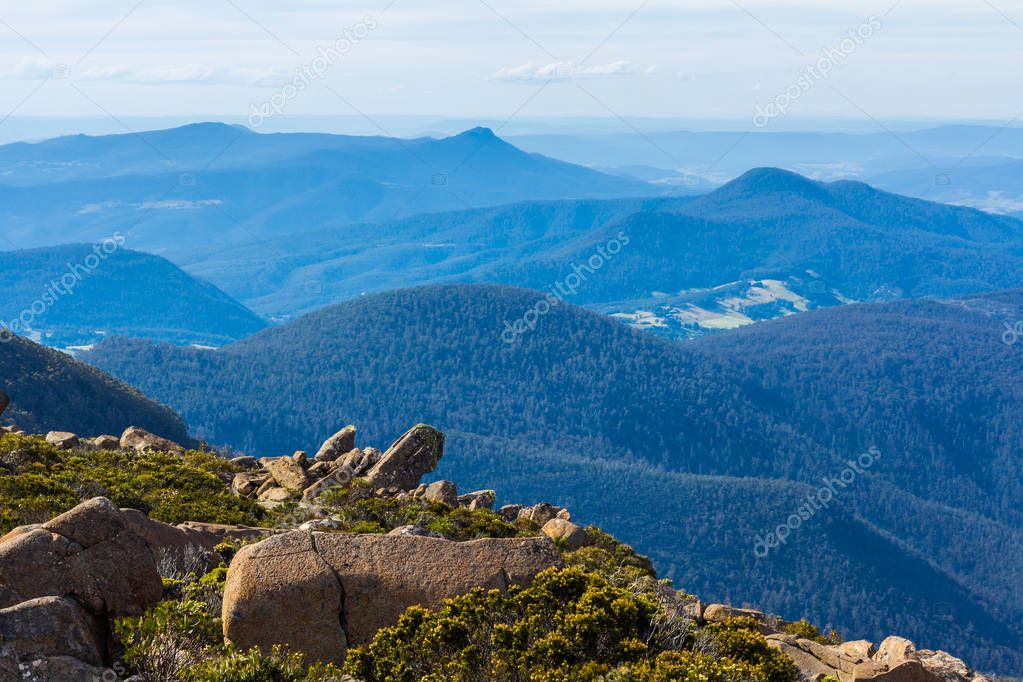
(479, 132)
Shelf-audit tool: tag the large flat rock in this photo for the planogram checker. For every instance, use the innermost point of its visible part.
(318, 592)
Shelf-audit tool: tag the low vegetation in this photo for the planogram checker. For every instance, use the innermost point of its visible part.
(356, 510)
(180, 640)
(605, 616)
(38, 481)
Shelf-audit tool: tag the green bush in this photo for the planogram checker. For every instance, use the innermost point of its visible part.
(164, 642)
(569, 625)
(360, 512)
(615, 561)
(803, 628)
(256, 666)
(38, 482)
(686, 666)
(739, 639)
(180, 640)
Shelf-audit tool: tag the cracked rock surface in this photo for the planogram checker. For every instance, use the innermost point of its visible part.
(322, 592)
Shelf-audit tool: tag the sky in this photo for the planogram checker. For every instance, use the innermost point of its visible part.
(264, 60)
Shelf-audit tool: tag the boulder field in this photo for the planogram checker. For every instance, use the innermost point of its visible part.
(318, 592)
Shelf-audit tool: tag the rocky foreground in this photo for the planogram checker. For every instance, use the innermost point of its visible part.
(320, 590)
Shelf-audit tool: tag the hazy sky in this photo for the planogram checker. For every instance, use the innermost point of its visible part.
(498, 58)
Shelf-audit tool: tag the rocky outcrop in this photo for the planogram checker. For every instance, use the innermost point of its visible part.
(289, 472)
(574, 537)
(106, 442)
(62, 582)
(176, 550)
(212, 534)
(316, 591)
(135, 438)
(410, 457)
(62, 440)
(321, 592)
(895, 660)
(341, 443)
(89, 554)
(719, 613)
(480, 499)
(50, 626)
(543, 512)
(274, 481)
(444, 492)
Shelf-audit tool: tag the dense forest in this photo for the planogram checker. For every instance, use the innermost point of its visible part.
(866, 244)
(858, 242)
(74, 295)
(689, 451)
(51, 391)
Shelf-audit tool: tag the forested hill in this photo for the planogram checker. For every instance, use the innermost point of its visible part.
(711, 444)
(936, 382)
(441, 355)
(850, 238)
(51, 391)
(767, 244)
(76, 294)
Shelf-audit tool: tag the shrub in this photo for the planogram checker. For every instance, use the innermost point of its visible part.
(38, 482)
(615, 561)
(803, 628)
(164, 642)
(179, 640)
(739, 639)
(256, 666)
(358, 511)
(568, 622)
(686, 666)
(568, 626)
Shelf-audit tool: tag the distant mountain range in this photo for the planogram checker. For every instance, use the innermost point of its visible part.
(991, 184)
(51, 391)
(76, 295)
(208, 186)
(697, 449)
(768, 244)
(721, 156)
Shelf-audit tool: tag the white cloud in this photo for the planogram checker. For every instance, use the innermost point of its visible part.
(40, 69)
(561, 71)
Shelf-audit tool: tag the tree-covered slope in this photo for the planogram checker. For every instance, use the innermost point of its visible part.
(687, 451)
(689, 262)
(76, 294)
(51, 391)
